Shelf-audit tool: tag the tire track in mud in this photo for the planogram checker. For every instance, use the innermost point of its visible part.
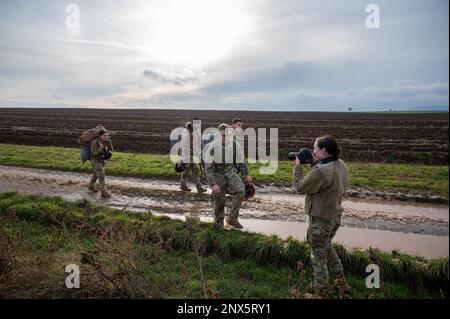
(164, 197)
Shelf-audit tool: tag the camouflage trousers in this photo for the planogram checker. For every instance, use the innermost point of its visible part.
(236, 188)
(98, 173)
(190, 168)
(319, 236)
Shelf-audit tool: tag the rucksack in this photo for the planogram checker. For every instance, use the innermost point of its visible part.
(85, 142)
(85, 152)
(90, 135)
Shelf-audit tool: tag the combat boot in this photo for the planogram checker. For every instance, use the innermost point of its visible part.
(318, 294)
(233, 223)
(184, 187)
(341, 285)
(93, 188)
(105, 194)
(200, 189)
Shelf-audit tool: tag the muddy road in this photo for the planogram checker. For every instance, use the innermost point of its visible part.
(270, 209)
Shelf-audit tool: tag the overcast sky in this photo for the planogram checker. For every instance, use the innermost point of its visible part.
(209, 54)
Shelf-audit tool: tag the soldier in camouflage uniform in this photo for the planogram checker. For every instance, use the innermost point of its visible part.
(236, 124)
(98, 146)
(324, 187)
(222, 172)
(191, 167)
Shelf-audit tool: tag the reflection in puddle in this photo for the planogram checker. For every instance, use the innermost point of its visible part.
(420, 245)
(417, 245)
(427, 246)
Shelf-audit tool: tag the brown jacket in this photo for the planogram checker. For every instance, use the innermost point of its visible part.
(324, 187)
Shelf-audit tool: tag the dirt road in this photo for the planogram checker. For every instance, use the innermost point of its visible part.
(164, 197)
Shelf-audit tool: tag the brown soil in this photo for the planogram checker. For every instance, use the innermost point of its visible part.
(423, 137)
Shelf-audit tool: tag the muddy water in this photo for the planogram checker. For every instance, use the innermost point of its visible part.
(419, 245)
(440, 212)
(427, 246)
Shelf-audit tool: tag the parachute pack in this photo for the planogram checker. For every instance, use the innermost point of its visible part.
(85, 142)
(85, 152)
(89, 135)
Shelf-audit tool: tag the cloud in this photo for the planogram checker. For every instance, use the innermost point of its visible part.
(177, 77)
(103, 43)
(401, 89)
(293, 55)
(290, 75)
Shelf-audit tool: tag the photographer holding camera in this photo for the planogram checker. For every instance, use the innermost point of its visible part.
(324, 187)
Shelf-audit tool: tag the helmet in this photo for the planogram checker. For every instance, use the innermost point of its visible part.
(249, 190)
(180, 166)
(107, 155)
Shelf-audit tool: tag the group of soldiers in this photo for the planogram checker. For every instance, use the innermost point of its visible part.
(222, 176)
(324, 187)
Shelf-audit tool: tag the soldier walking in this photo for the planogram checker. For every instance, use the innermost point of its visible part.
(191, 167)
(222, 174)
(99, 147)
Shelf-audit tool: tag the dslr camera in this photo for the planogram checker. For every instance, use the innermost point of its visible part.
(305, 156)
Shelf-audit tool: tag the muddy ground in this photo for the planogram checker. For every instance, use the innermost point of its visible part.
(373, 137)
(270, 203)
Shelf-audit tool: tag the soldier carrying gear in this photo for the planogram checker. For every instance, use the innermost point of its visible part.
(190, 166)
(99, 146)
(223, 160)
(324, 187)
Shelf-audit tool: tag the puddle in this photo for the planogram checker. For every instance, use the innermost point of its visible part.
(427, 246)
(414, 244)
(385, 225)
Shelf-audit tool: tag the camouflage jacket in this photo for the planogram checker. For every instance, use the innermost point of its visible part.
(97, 150)
(187, 142)
(324, 187)
(219, 166)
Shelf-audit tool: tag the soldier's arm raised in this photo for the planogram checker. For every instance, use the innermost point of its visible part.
(308, 184)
